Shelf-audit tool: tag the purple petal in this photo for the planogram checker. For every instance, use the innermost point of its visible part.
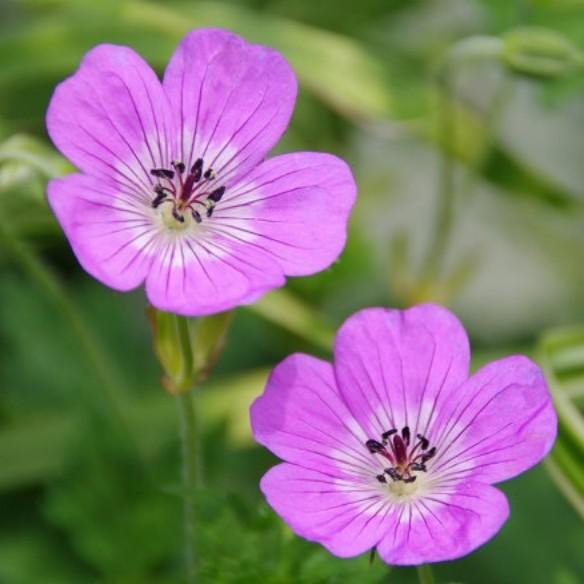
(396, 368)
(297, 208)
(501, 423)
(347, 519)
(444, 525)
(110, 233)
(301, 418)
(112, 118)
(198, 275)
(233, 100)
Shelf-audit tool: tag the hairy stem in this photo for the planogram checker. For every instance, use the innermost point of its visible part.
(190, 477)
(190, 454)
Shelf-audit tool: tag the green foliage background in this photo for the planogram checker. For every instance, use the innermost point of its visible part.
(89, 480)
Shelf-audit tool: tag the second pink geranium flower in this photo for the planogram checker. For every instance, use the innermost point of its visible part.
(393, 446)
(175, 191)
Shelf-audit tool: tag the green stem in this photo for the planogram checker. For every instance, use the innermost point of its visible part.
(443, 225)
(492, 122)
(444, 216)
(191, 459)
(104, 369)
(425, 575)
(190, 476)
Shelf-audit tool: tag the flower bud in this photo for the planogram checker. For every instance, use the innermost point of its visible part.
(540, 52)
(187, 348)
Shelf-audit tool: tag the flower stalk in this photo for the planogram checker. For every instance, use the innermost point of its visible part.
(425, 574)
(191, 477)
(444, 216)
(187, 349)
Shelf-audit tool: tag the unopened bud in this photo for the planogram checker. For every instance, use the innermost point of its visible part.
(187, 348)
(540, 52)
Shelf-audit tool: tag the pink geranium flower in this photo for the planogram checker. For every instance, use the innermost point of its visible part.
(395, 446)
(175, 190)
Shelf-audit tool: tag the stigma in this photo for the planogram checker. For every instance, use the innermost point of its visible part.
(185, 197)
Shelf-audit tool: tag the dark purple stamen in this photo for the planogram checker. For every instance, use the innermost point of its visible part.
(405, 460)
(374, 446)
(180, 218)
(197, 169)
(423, 441)
(162, 173)
(185, 193)
(179, 166)
(216, 195)
(159, 198)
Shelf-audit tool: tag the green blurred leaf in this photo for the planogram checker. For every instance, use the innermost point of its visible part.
(561, 354)
(29, 456)
(339, 70)
(288, 311)
(31, 153)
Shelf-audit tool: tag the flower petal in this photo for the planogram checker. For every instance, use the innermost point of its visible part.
(233, 99)
(501, 423)
(301, 418)
(112, 118)
(296, 206)
(444, 526)
(395, 368)
(347, 519)
(110, 233)
(195, 276)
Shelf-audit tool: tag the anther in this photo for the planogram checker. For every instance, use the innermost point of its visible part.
(393, 474)
(177, 216)
(216, 195)
(387, 434)
(424, 442)
(406, 435)
(162, 173)
(210, 208)
(179, 166)
(409, 479)
(197, 169)
(197, 216)
(428, 455)
(209, 174)
(374, 446)
(159, 198)
(381, 478)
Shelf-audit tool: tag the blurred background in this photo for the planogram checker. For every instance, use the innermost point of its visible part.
(463, 121)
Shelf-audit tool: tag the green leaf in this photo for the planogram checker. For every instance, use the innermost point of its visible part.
(286, 310)
(32, 154)
(561, 353)
(343, 73)
(33, 449)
